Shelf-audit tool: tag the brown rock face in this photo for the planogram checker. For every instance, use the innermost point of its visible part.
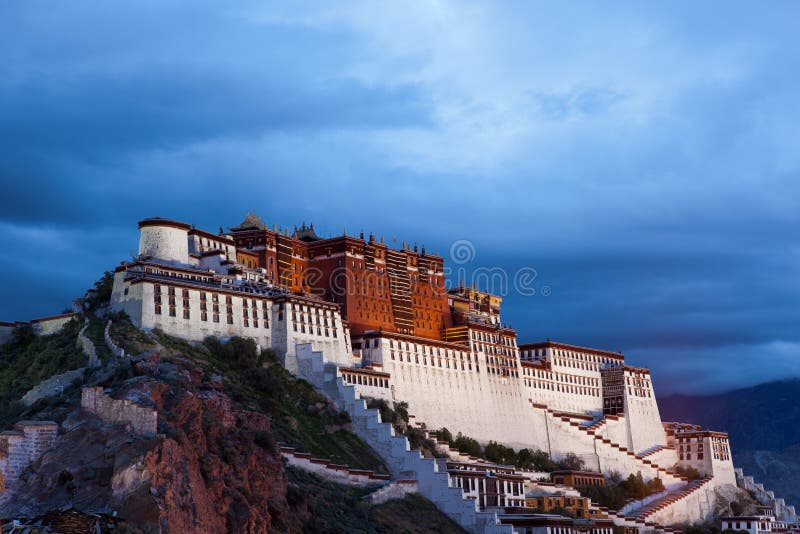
(212, 469)
(218, 469)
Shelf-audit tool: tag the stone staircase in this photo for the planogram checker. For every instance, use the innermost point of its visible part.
(663, 500)
(783, 511)
(680, 498)
(604, 447)
(395, 450)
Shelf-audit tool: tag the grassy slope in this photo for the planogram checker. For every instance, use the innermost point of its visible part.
(28, 360)
(337, 508)
(301, 417)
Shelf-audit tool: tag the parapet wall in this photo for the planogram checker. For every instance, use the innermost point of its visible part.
(21, 446)
(330, 471)
(142, 420)
(87, 346)
(41, 327)
(115, 349)
(51, 325)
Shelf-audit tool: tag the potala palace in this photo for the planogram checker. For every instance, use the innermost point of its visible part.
(360, 319)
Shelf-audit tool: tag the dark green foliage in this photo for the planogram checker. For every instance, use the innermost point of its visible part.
(444, 435)
(239, 351)
(498, 453)
(127, 336)
(570, 462)
(401, 409)
(611, 496)
(618, 490)
(103, 288)
(398, 417)
(27, 360)
(468, 445)
(636, 487)
(23, 335)
(96, 332)
(689, 472)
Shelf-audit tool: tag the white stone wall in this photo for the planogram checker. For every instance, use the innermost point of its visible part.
(665, 457)
(6, 333)
(213, 263)
(290, 330)
(166, 243)
(195, 328)
(645, 429)
(473, 402)
(51, 325)
(616, 430)
(695, 507)
(127, 297)
(201, 243)
(367, 390)
(282, 330)
(577, 392)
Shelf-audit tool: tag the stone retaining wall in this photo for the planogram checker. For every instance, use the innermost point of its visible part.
(21, 446)
(333, 472)
(142, 420)
(115, 349)
(51, 325)
(86, 345)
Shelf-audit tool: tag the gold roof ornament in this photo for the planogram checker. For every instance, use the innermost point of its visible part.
(251, 222)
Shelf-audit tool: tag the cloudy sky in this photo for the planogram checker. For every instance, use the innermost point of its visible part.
(644, 160)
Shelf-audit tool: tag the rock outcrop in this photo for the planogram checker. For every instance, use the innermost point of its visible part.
(210, 468)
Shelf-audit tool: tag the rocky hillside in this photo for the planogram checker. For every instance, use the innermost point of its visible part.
(764, 427)
(214, 465)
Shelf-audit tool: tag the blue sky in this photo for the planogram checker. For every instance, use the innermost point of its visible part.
(643, 159)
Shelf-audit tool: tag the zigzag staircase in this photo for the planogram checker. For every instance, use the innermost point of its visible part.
(396, 452)
(649, 468)
(667, 499)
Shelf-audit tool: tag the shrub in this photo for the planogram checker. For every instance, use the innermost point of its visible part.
(687, 471)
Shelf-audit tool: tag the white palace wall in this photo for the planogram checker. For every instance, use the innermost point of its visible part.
(470, 401)
(645, 429)
(270, 323)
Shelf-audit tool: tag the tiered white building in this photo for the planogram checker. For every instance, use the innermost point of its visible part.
(474, 379)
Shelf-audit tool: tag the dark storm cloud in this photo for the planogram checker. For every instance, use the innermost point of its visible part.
(644, 162)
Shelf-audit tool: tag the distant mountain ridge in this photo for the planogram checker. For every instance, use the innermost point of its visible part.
(763, 423)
